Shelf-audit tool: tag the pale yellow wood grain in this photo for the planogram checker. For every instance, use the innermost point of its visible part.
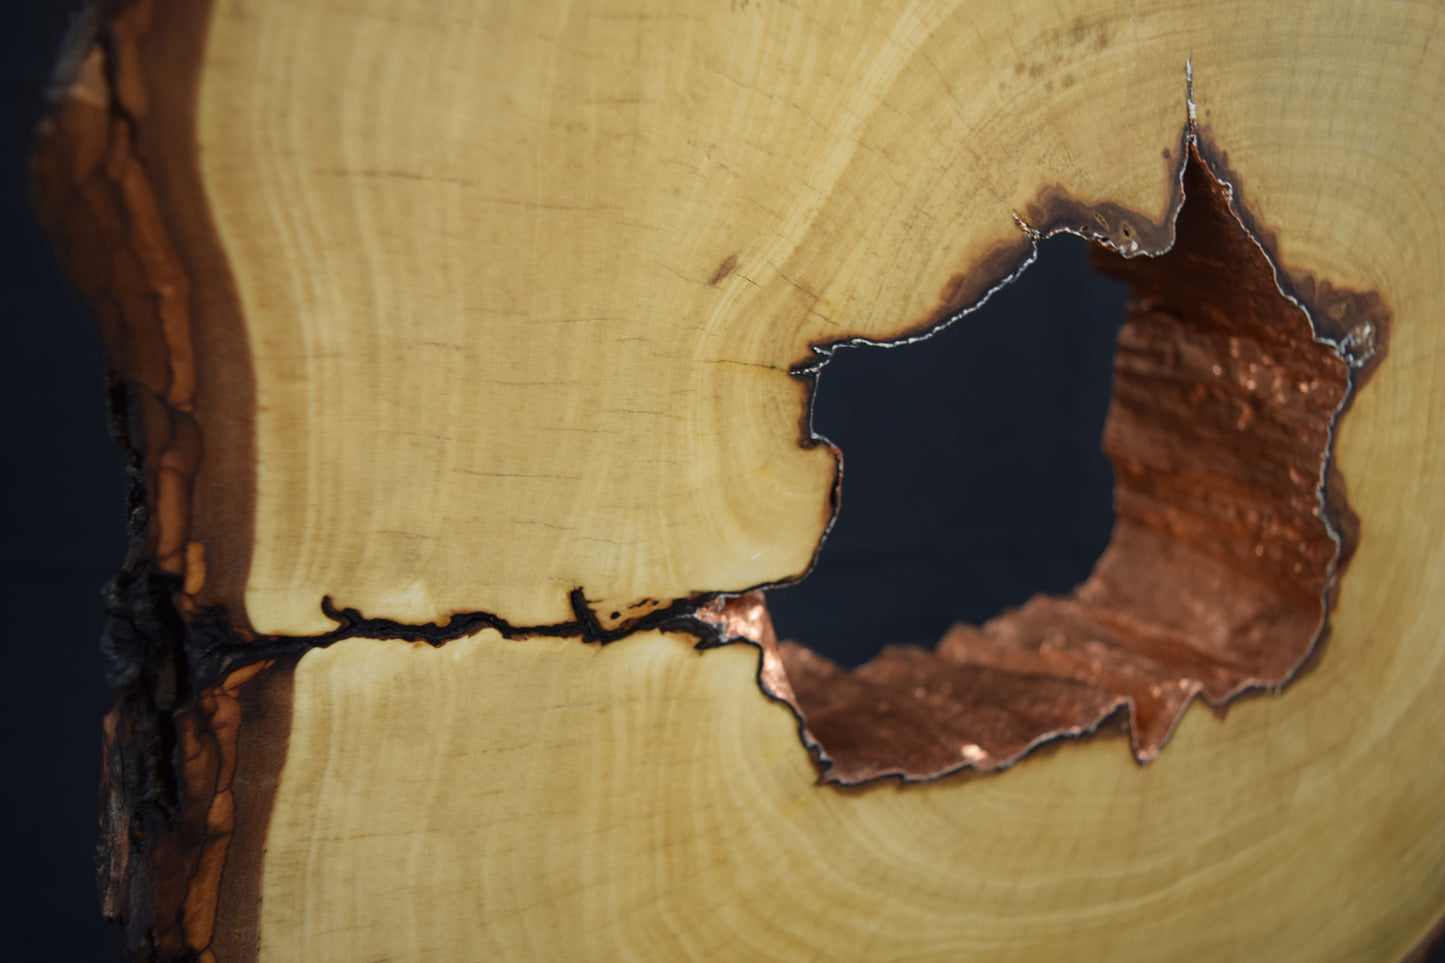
(474, 246)
(550, 800)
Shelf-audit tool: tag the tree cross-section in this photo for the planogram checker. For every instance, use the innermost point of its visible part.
(465, 349)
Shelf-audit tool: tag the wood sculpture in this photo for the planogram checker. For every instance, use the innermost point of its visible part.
(465, 353)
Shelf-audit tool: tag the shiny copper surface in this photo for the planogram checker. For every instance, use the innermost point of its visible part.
(746, 617)
(1217, 576)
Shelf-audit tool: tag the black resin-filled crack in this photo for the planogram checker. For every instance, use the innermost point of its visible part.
(214, 648)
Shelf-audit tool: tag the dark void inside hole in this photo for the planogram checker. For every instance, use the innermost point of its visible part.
(973, 472)
(1218, 573)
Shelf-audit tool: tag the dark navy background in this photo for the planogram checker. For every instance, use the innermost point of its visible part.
(972, 472)
(64, 497)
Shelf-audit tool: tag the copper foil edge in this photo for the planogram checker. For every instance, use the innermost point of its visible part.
(1216, 579)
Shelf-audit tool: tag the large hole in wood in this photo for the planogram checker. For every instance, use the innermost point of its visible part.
(1217, 576)
(974, 476)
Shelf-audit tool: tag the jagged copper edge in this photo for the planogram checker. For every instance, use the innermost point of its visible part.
(1359, 345)
(745, 618)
